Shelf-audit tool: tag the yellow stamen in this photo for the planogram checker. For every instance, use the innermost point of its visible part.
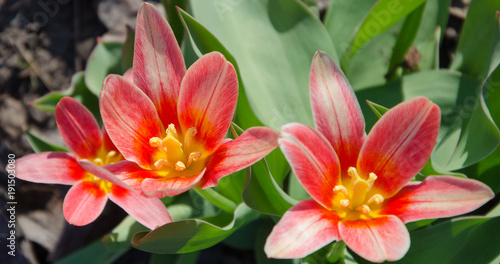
(371, 178)
(179, 166)
(155, 142)
(193, 156)
(340, 188)
(352, 172)
(172, 131)
(377, 198)
(365, 209)
(98, 162)
(188, 138)
(162, 163)
(345, 203)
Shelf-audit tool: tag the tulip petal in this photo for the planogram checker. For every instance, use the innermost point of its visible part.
(251, 146)
(400, 144)
(49, 167)
(303, 229)
(336, 110)
(83, 203)
(102, 173)
(161, 187)
(377, 240)
(150, 212)
(158, 63)
(207, 99)
(130, 119)
(436, 197)
(131, 174)
(312, 159)
(78, 128)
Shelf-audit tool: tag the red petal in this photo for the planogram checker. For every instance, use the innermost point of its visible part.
(49, 167)
(130, 119)
(377, 240)
(158, 63)
(336, 110)
(83, 203)
(312, 159)
(436, 197)
(251, 146)
(78, 128)
(302, 230)
(207, 100)
(129, 75)
(148, 211)
(131, 174)
(162, 187)
(102, 173)
(400, 144)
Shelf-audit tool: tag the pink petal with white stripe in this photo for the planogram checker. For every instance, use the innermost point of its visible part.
(161, 187)
(376, 240)
(312, 159)
(207, 99)
(49, 167)
(78, 128)
(251, 146)
(399, 144)
(302, 230)
(130, 119)
(150, 212)
(336, 110)
(83, 203)
(436, 197)
(158, 63)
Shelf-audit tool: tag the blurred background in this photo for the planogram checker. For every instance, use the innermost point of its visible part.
(42, 44)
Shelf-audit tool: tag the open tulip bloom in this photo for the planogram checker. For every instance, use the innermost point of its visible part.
(85, 169)
(169, 122)
(359, 184)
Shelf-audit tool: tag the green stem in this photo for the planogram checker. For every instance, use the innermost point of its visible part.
(217, 199)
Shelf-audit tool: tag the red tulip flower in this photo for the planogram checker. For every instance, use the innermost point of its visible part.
(170, 122)
(85, 169)
(359, 184)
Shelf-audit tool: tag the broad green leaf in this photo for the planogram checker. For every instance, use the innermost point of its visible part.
(93, 253)
(193, 234)
(105, 59)
(474, 137)
(78, 90)
(273, 43)
(232, 186)
(465, 240)
(331, 253)
(263, 194)
(295, 188)
(244, 237)
(127, 58)
(121, 235)
(342, 20)
(204, 42)
(216, 199)
(473, 54)
(383, 15)
(173, 19)
(40, 145)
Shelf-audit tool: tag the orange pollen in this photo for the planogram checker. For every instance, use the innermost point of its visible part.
(173, 150)
(353, 196)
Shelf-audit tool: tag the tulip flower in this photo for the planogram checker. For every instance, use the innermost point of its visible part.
(170, 122)
(85, 169)
(360, 185)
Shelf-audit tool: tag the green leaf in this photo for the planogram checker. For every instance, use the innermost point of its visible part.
(261, 188)
(193, 234)
(173, 19)
(383, 15)
(342, 20)
(273, 43)
(93, 253)
(465, 240)
(105, 59)
(330, 253)
(295, 188)
(377, 109)
(40, 145)
(121, 235)
(127, 57)
(473, 54)
(78, 90)
(216, 199)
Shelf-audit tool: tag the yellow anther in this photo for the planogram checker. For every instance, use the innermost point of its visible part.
(179, 166)
(365, 209)
(340, 188)
(345, 203)
(172, 131)
(371, 178)
(193, 156)
(155, 142)
(110, 155)
(188, 138)
(377, 198)
(98, 162)
(161, 163)
(352, 172)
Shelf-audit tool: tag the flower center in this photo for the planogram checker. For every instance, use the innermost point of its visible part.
(352, 198)
(108, 157)
(173, 152)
